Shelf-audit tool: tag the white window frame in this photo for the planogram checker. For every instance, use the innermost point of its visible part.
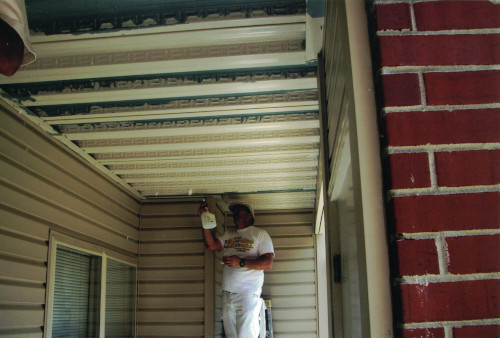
(58, 239)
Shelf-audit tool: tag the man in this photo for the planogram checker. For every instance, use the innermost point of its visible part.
(248, 251)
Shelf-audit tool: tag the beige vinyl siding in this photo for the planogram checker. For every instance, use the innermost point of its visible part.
(42, 187)
(172, 271)
(291, 284)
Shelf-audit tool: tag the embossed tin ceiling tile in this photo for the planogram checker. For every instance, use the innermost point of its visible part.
(217, 129)
(233, 151)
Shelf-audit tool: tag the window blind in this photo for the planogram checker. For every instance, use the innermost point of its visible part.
(120, 299)
(71, 294)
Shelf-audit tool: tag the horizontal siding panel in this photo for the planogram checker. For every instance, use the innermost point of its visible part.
(27, 138)
(296, 335)
(263, 219)
(289, 230)
(21, 316)
(52, 172)
(286, 290)
(173, 247)
(171, 274)
(296, 265)
(172, 261)
(298, 313)
(294, 326)
(188, 221)
(295, 242)
(291, 253)
(284, 278)
(165, 330)
(172, 302)
(291, 301)
(53, 214)
(19, 269)
(21, 292)
(171, 316)
(21, 222)
(172, 234)
(171, 209)
(64, 199)
(183, 288)
(15, 244)
(25, 332)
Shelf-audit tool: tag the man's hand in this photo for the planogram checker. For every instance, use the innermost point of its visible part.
(231, 261)
(202, 207)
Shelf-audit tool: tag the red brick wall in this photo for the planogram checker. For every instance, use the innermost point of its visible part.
(439, 64)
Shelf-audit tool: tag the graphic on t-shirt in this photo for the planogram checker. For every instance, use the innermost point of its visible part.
(240, 244)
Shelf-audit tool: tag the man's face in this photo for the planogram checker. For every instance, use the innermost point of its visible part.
(242, 218)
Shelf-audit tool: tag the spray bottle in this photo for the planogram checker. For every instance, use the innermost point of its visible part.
(208, 219)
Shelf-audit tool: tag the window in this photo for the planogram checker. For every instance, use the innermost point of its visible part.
(91, 291)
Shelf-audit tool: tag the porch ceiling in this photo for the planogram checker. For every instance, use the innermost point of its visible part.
(179, 98)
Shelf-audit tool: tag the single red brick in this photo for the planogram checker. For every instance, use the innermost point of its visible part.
(465, 168)
(417, 257)
(468, 300)
(443, 127)
(423, 50)
(410, 171)
(401, 90)
(447, 15)
(447, 212)
(423, 333)
(393, 16)
(488, 331)
(474, 254)
(454, 88)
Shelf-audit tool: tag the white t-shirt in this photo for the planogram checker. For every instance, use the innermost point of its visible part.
(248, 243)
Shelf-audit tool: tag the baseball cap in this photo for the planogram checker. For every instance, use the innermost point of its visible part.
(235, 205)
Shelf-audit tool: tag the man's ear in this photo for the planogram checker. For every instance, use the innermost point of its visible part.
(11, 49)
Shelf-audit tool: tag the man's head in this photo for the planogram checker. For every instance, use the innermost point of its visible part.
(243, 214)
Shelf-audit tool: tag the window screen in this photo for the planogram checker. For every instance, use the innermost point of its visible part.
(120, 300)
(75, 289)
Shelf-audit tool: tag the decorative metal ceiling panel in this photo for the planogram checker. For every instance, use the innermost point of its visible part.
(180, 100)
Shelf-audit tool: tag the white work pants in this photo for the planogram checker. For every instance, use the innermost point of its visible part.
(240, 313)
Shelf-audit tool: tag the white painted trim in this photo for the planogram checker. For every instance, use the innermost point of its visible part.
(204, 145)
(157, 67)
(221, 129)
(201, 112)
(376, 247)
(194, 26)
(102, 315)
(173, 92)
(214, 37)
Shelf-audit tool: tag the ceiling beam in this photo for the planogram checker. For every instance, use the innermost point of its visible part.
(217, 89)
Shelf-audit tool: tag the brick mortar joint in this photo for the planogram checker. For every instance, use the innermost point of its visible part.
(448, 234)
(435, 148)
(441, 191)
(421, 108)
(411, 69)
(452, 324)
(425, 280)
(411, 32)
